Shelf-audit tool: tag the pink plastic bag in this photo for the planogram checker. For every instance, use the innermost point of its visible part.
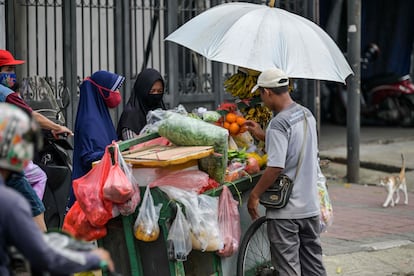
(89, 192)
(189, 180)
(117, 187)
(229, 223)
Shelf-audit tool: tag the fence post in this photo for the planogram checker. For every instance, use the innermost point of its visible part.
(69, 59)
(123, 53)
(171, 54)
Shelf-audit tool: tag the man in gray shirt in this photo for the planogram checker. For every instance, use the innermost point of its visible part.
(293, 230)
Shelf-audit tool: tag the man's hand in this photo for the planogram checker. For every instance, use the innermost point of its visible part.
(106, 257)
(255, 129)
(62, 130)
(252, 205)
(46, 123)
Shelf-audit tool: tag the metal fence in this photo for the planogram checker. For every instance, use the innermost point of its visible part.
(64, 41)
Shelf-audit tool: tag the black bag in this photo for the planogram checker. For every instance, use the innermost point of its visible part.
(277, 196)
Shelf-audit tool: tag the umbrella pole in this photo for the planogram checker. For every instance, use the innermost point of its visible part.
(272, 3)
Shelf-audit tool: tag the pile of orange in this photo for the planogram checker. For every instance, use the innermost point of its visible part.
(234, 123)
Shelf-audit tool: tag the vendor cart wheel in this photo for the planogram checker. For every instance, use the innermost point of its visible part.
(254, 252)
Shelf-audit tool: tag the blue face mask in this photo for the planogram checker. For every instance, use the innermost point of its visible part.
(8, 79)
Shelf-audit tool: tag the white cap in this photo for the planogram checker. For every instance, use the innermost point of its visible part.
(271, 78)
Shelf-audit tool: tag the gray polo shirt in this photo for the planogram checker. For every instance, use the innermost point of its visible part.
(284, 137)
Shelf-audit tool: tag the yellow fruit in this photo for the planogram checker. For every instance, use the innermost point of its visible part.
(146, 232)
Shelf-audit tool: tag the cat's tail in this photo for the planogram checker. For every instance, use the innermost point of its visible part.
(402, 172)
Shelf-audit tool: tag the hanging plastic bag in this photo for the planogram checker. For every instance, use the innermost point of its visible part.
(326, 217)
(179, 236)
(89, 192)
(207, 237)
(77, 225)
(117, 187)
(146, 226)
(229, 223)
(128, 207)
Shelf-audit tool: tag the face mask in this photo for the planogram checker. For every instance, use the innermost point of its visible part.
(153, 100)
(113, 99)
(8, 79)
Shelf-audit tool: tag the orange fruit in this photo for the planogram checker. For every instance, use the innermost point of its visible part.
(226, 125)
(234, 128)
(240, 120)
(231, 117)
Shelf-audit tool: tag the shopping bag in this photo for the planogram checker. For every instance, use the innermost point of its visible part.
(205, 235)
(326, 216)
(229, 223)
(179, 236)
(128, 207)
(146, 226)
(77, 225)
(117, 187)
(88, 190)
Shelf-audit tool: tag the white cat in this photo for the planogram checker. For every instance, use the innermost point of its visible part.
(393, 184)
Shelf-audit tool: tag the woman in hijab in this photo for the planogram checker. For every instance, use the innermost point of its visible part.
(94, 129)
(146, 95)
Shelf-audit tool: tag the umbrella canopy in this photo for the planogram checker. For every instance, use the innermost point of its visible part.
(260, 37)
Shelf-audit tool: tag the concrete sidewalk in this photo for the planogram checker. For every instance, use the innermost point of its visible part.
(365, 238)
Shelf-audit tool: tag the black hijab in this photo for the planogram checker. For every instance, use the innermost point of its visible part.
(140, 102)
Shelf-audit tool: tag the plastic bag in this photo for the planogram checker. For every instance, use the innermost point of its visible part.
(189, 180)
(117, 187)
(77, 225)
(146, 226)
(185, 131)
(207, 237)
(229, 223)
(179, 236)
(326, 217)
(89, 192)
(155, 117)
(128, 207)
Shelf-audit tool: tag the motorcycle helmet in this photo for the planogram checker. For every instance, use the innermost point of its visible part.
(20, 137)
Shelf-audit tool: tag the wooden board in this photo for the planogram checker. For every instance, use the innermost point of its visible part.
(160, 156)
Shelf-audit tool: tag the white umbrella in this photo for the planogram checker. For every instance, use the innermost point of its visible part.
(260, 37)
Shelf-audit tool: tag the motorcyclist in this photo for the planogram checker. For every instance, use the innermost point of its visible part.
(19, 138)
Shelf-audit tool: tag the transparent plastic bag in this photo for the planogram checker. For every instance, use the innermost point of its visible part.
(326, 216)
(202, 215)
(155, 117)
(179, 236)
(208, 237)
(146, 226)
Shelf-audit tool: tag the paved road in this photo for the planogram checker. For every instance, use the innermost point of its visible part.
(367, 239)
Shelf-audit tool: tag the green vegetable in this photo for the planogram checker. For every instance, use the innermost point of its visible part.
(185, 131)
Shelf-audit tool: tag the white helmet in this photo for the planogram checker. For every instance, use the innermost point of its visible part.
(19, 138)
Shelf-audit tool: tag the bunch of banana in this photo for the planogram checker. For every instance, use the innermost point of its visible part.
(259, 114)
(240, 85)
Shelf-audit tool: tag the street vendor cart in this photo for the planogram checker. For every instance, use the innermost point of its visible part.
(135, 257)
